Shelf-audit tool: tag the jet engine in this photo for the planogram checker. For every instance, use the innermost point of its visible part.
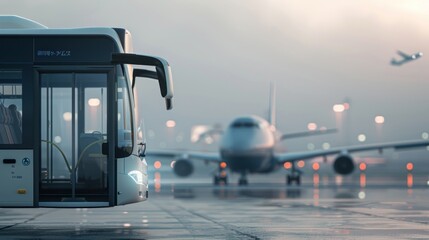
(183, 167)
(344, 165)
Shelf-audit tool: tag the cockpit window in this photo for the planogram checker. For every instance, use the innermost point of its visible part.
(244, 125)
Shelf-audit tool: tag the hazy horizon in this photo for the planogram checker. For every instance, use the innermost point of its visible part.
(224, 54)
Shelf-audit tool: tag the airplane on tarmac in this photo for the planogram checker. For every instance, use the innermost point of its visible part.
(247, 147)
(405, 58)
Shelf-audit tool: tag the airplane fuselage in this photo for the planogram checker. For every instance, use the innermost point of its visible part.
(406, 58)
(248, 144)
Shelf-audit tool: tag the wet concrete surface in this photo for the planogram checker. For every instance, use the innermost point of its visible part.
(259, 211)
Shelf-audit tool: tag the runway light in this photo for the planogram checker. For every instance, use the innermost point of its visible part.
(361, 195)
(67, 116)
(425, 135)
(94, 102)
(301, 164)
(287, 165)
(326, 145)
(172, 164)
(346, 106)
(223, 165)
(312, 126)
(157, 165)
(362, 166)
(316, 166)
(170, 123)
(338, 108)
(379, 119)
(361, 137)
(410, 166)
(311, 146)
(57, 139)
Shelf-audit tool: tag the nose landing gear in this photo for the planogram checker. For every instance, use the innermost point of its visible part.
(294, 176)
(243, 179)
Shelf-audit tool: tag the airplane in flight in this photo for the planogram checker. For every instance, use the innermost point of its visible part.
(247, 147)
(405, 58)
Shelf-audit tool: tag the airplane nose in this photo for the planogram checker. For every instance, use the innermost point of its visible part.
(240, 141)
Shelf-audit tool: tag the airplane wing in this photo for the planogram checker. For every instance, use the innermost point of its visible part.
(404, 55)
(176, 154)
(294, 156)
(307, 133)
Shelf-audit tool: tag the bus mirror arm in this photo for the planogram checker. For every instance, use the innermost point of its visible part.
(142, 150)
(162, 73)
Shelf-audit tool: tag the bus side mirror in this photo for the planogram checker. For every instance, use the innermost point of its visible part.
(162, 73)
(119, 152)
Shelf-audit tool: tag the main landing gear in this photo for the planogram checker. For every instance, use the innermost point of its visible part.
(294, 176)
(218, 179)
(243, 179)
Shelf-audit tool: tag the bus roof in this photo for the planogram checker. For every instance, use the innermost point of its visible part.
(15, 25)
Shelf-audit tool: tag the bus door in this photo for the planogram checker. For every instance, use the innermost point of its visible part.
(74, 128)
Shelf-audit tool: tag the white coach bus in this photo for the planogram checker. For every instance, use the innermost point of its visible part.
(70, 133)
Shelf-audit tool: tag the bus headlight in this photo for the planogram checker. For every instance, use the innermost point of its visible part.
(137, 176)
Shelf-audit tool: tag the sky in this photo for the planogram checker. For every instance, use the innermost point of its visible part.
(225, 53)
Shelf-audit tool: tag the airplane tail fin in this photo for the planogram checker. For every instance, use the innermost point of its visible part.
(272, 109)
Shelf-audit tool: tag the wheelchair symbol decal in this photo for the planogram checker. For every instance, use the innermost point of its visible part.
(26, 161)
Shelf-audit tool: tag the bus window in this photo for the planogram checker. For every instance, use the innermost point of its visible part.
(10, 107)
(125, 127)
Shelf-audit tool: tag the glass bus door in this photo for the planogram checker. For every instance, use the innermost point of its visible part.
(74, 126)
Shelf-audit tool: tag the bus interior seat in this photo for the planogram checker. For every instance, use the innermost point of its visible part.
(10, 125)
(17, 122)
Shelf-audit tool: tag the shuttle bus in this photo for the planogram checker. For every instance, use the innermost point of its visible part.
(70, 133)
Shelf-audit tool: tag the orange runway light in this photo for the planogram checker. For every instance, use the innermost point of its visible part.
(316, 166)
(362, 166)
(301, 164)
(410, 166)
(223, 165)
(157, 165)
(287, 165)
